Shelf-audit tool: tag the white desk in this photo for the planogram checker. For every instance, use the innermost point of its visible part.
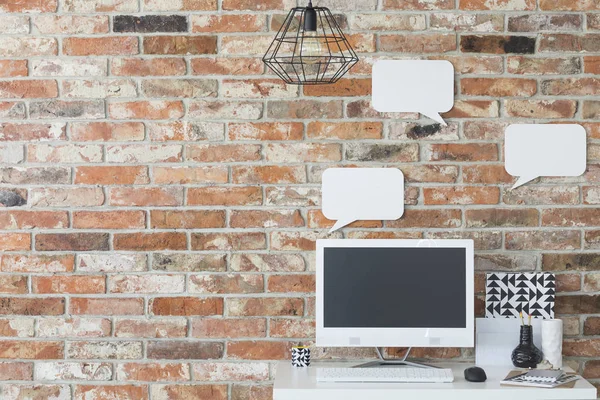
(293, 383)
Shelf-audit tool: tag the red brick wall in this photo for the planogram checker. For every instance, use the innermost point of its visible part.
(161, 191)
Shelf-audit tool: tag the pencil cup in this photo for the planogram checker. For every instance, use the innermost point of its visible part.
(552, 337)
(300, 356)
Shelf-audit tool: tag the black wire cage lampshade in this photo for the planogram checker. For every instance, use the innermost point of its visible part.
(310, 48)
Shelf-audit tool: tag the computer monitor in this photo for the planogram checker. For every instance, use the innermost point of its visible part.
(395, 293)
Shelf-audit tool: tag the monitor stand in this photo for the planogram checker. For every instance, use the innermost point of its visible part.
(393, 362)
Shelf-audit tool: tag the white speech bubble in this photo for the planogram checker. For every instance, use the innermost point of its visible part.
(352, 194)
(538, 150)
(424, 86)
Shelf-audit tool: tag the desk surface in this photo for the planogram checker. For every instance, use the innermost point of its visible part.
(292, 383)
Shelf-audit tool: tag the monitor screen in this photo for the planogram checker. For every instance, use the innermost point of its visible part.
(373, 287)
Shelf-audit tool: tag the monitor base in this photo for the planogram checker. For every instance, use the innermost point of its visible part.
(393, 362)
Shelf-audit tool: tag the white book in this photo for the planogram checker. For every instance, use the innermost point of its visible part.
(519, 380)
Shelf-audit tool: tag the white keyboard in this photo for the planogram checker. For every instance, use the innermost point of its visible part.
(389, 374)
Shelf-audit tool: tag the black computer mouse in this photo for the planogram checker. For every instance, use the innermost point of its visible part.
(475, 374)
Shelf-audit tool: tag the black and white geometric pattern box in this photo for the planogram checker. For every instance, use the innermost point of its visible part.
(507, 294)
(300, 356)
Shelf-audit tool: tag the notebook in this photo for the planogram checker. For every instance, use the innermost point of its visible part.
(543, 375)
(517, 378)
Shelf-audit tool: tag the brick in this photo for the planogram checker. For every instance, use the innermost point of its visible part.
(541, 108)
(292, 196)
(592, 64)
(11, 154)
(215, 372)
(189, 219)
(109, 175)
(591, 326)
(180, 45)
(98, 89)
(498, 87)
(29, 6)
(535, 23)
(57, 327)
(463, 152)
(294, 241)
(228, 241)
(106, 306)
(418, 5)
(592, 239)
(382, 152)
(316, 219)
(33, 219)
(88, 371)
(570, 217)
(107, 131)
(430, 218)
(70, 24)
(345, 130)
(40, 350)
(303, 152)
(111, 262)
(497, 44)
(265, 219)
(231, 328)
(20, 390)
(69, 67)
(16, 371)
(226, 66)
(274, 306)
(467, 22)
(28, 89)
(34, 176)
(109, 46)
(542, 195)
(43, 153)
(240, 46)
(15, 241)
(176, 392)
(149, 329)
(183, 175)
(224, 196)
(73, 284)
(480, 64)
(150, 241)
(13, 284)
(418, 43)
(12, 110)
(461, 195)
(411, 130)
(342, 88)
(291, 284)
(137, 153)
(254, 392)
(73, 109)
(123, 392)
(543, 66)
(13, 68)
(66, 197)
(267, 263)
(13, 197)
(153, 109)
(189, 262)
(37, 263)
(543, 240)
(150, 23)
(415, 22)
(152, 372)
(569, 43)
(226, 284)
(484, 240)
(186, 131)
(591, 282)
(245, 110)
(593, 21)
(228, 23)
(147, 196)
(27, 46)
(581, 347)
(487, 218)
(302, 109)
(570, 262)
(32, 306)
(146, 283)
(87, 6)
(174, 350)
(179, 87)
(566, 5)
(220, 153)
(72, 241)
(473, 109)
(503, 262)
(565, 87)
(257, 88)
(104, 350)
(268, 174)
(148, 67)
(17, 327)
(591, 109)
(266, 131)
(431, 173)
(186, 306)
(258, 350)
(180, 5)
(291, 328)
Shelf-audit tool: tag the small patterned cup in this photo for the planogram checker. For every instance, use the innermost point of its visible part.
(300, 356)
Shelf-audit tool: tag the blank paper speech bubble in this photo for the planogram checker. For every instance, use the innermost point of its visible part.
(351, 194)
(424, 86)
(544, 150)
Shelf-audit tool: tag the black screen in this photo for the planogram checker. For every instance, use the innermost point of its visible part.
(394, 287)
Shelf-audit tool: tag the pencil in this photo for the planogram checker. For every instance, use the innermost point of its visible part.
(521, 316)
(529, 320)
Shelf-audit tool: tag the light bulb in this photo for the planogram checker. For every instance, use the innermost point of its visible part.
(311, 50)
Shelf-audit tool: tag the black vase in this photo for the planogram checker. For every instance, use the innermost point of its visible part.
(526, 355)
